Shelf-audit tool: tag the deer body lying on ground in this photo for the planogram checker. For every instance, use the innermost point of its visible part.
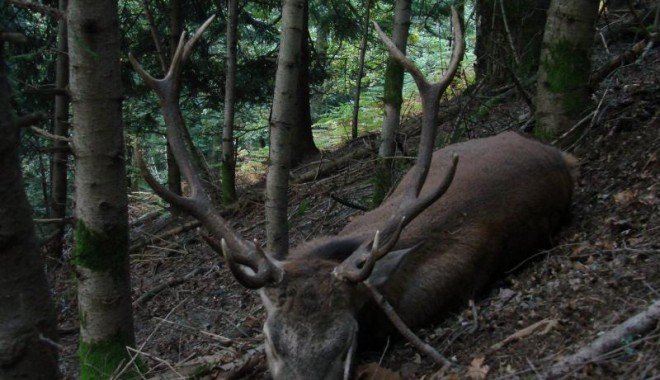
(447, 230)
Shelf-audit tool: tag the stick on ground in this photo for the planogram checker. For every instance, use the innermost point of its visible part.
(637, 324)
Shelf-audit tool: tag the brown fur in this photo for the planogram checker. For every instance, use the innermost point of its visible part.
(509, 195)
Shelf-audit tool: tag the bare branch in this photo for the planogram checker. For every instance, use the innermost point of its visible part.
(404, 330)
(40, 8)
(637, 324)
(29, 120)
(16, 38)
(49, 136)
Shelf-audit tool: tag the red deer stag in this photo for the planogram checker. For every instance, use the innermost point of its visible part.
(428, 248)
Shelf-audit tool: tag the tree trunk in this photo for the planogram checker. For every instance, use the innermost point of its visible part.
(562, 89)
(301, 131)
(509, 36)
(228, 175)
(392, 99)
(283, 118)
(59, 163)
(358, 82)
(101, 230)
(173, 172)
(28, 327)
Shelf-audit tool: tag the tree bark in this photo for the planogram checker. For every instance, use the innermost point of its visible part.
(28, 327)
(173, 171)
(101, 218)
(358, 82)
(283, 118)
(228, 175)
(301, 131)
(392, 99)
(563, 80)
(59, 161)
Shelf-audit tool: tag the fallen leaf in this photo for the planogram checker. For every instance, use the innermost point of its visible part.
(374, 371)
(477, 370)
(625, 197)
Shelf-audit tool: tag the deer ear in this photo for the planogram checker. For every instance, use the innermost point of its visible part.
(388, 265)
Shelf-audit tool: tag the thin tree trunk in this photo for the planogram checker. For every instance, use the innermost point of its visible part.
(562, 89)
(301, 131)
(283, 118)
(101, 226)
(28, 327)
(509, 36)
(173, 172)
(228, 175)
(392, 99)
(358, 82)
(59, 163)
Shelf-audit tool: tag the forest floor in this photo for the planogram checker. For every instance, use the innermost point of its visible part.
(193, 320)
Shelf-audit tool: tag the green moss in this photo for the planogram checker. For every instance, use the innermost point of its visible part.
(101, 251)
(99, 360)
(482, 113)
(201, 371)
(393, 83)
(82, 316)
(544, 135)
(567, 68)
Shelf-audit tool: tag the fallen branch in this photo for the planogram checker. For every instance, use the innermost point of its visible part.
(546, 324)
(142, 241)
(329, 166)
(404, 330)
(638, 324)
(348, 203)
(146, 218)
(622, 59)
(148, 295)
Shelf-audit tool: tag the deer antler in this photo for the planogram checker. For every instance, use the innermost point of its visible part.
(235, 249)
(359, 265)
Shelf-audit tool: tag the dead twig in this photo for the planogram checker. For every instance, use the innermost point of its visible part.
(404, 330)
(622, 59)
(163, 236)
(166, 285)
(638, 324)
(348, 203)
(547, 324)
(49, 136)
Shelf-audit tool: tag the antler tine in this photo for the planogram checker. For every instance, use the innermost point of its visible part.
(198, 204)
(189, 45)
(360, 264)
(265, 270)
(162, 191)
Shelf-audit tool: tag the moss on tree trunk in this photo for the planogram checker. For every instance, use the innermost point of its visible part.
(562, 93)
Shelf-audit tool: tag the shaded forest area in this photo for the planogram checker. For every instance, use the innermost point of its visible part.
(604, 268)
(193, 320)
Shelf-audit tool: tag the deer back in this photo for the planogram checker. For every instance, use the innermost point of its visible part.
(509, 195)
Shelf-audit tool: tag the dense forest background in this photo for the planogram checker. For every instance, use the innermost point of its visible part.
(596, 98)
(335, 32)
